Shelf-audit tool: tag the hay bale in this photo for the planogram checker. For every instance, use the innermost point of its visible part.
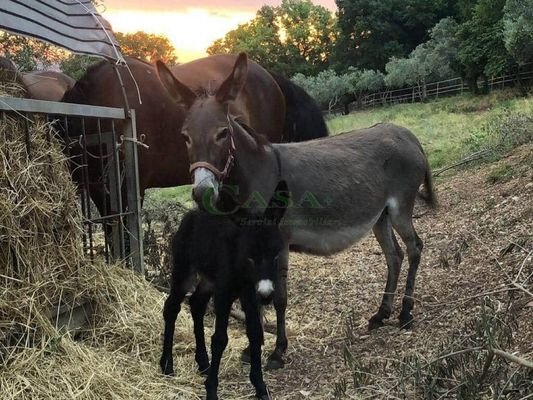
(10, 80)
(41, 254)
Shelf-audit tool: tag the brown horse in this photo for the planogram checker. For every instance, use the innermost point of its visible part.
(39, 85)
(165, 162)
(341, 187)
(47, 85)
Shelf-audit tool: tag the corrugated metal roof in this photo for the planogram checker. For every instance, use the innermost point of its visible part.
(72, 24)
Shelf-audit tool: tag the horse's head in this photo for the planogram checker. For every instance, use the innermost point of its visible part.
(207, 128)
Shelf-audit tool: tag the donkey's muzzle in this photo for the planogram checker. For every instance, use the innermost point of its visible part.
(205, 188)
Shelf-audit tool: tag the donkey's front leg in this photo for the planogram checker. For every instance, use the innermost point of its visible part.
(254, 331)
(198, 303)
(219, 340)
(275, 360)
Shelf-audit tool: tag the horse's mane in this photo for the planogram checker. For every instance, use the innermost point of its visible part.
(303, 117)
(78, 92)
(203, 93)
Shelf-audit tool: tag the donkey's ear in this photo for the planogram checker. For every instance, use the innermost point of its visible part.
(179, 92)
(278, 203)
(230, 88)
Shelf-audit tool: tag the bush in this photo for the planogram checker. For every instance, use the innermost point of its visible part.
(502, 132)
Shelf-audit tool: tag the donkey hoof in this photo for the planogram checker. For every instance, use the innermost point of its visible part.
(166, 368)
(274, 362)
(204, 370)
(265, 396)
(375, 322)
(245, 356)
(406, 320)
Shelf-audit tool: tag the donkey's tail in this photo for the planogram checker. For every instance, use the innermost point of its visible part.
(303, 118)
(428, 195)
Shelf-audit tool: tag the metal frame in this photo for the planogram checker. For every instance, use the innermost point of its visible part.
(129, 221)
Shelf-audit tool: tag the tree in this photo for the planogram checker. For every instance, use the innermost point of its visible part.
(327, 88)
(147, 47)
(296, 36)
(433, 60)
(370, 81)
(482, 51)
(373, 31)
(518, 30)
(29, 54)
(309, 35)
(75, 65)
(259, 38)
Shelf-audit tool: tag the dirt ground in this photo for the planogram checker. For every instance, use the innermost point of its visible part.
(475, 244)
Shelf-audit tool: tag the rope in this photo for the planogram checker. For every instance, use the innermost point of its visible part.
(136, 141)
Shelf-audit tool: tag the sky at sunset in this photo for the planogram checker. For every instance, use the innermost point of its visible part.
(191, 25)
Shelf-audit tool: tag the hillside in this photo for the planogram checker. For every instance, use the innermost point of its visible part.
(448, 128)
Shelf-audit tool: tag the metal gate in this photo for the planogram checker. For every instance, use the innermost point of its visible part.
(101, 144)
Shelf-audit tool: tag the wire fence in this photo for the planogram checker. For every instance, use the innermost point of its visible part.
(434, 90)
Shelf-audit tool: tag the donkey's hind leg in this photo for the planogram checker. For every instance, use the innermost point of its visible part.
(275, 360)
(403, 223)
(394, 256)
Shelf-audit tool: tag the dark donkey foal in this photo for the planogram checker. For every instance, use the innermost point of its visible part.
(233, 260)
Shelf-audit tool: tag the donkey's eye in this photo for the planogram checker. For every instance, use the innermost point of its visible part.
(222, 134)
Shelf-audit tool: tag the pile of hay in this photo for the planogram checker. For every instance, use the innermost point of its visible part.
(39, 227)
(10, 79)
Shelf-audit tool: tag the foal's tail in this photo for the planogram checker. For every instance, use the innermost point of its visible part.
(428, 195)
(303, 117)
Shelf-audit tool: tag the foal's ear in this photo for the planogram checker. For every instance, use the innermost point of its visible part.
(179, 92)
(278, 203)
(230, 88)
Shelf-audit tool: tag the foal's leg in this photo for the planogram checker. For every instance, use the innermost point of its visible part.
(181, 279)
(219, 340)
(394, 256)
(254, 331)
(170, 313)
(403, 223)
(275, 360)
(198, 303)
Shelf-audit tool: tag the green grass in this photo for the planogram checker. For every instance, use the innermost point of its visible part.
(165, 198)
(449, 128)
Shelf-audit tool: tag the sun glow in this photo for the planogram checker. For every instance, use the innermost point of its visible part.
(191, 31)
